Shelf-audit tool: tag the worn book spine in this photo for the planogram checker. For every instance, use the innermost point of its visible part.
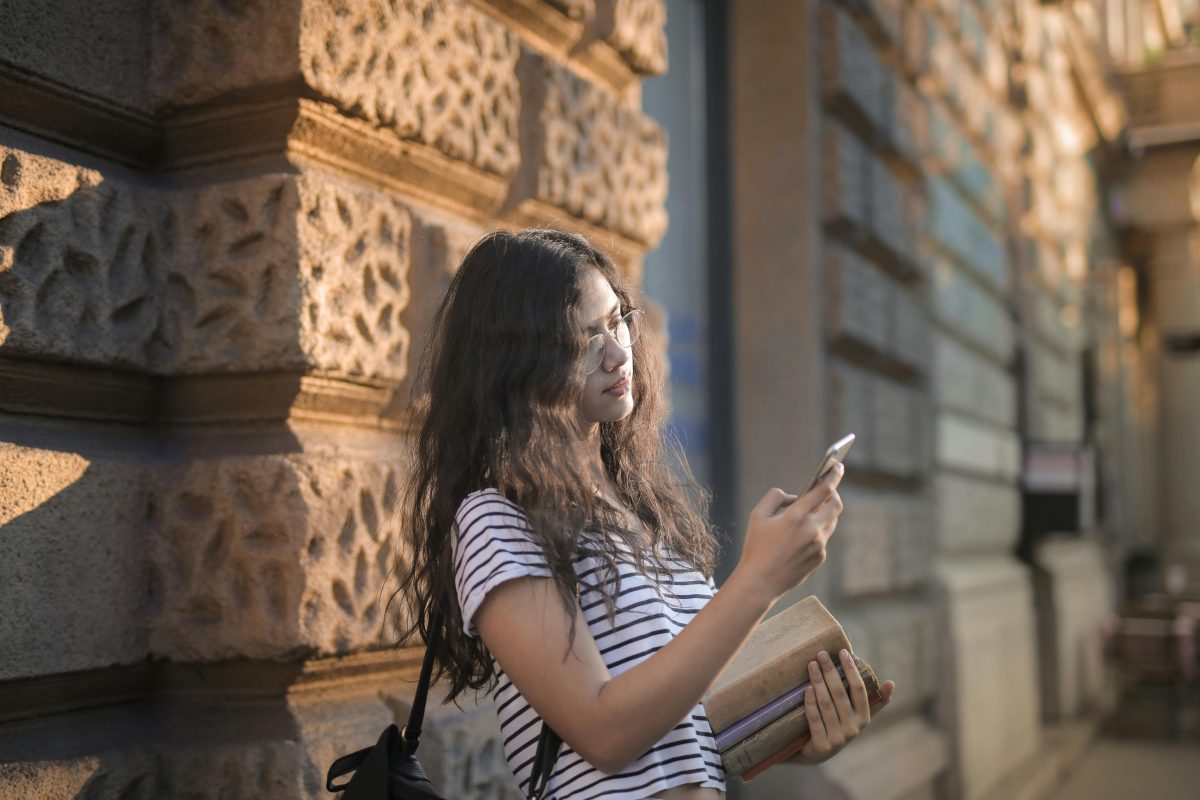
(791, 748)
(771, 680)
(774, 659)
(760, 718)
(783, 732)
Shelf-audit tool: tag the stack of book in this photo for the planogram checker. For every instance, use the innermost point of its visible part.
(756, 707)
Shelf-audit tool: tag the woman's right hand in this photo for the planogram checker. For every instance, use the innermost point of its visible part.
(786, 537)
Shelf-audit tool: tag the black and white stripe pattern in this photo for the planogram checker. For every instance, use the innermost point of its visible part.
(494, 545)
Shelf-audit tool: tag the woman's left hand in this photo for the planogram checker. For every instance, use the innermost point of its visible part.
(835, 717)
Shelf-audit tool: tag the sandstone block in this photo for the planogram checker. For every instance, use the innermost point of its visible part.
(858, 299)
(972, 313)
(80, 260)
(972, 384)
(260, 556)
(593, 156)
(85, 49)
(1075, 597)
(843, 178)
(850, 73)
(910, 331)
(958, 229)
(72, 562)
(899, 762)
(975, 515)
(441, 73)
(851, 409)
(637, 29)
(204, 50)
(274, 272)
(281, 272)
(977, 448)
(863, 553)
(990, 701)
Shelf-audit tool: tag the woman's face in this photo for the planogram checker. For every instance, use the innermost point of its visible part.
(608, 391)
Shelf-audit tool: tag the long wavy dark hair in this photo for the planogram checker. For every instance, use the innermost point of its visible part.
(498, 394)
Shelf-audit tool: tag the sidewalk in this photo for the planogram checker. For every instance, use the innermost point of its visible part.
(1118, 769)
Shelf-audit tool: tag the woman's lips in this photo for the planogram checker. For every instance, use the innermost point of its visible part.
(619, 388)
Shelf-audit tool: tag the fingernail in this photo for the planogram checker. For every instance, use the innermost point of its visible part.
(814, 668)
(824, 658)
(844, 654)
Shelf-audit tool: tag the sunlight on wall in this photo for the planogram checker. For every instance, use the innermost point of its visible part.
(29, 478)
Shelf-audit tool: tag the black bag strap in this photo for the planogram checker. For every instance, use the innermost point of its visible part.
(548, 745)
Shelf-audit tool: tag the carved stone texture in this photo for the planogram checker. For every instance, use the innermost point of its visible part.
(597, 158)
(260, 556)
(126, 774)
(71, 562)
(355, 255)
(205, 49)
(78, 261)
(232, 300)
(637, 29)
(280, 272)
(437, 71)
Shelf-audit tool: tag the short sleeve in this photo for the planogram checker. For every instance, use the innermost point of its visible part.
(493, 544)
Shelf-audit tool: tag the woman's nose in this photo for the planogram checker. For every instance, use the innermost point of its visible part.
(615, 355)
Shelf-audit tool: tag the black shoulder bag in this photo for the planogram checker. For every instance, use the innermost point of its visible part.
(390, 771)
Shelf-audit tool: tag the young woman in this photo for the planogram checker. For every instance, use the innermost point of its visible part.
(573, 570)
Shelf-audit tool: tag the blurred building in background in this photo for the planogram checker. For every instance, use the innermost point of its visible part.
(965, 230)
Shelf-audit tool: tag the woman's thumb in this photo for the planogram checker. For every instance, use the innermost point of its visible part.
(772, 501)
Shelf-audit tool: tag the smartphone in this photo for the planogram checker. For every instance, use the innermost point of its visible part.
(836, 452)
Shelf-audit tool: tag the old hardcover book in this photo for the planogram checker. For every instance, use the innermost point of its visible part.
(773, 662)
(794, 746)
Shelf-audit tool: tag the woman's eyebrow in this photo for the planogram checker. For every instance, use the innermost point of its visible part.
(612, 312)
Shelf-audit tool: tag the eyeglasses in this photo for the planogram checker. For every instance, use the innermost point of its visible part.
(625, 333)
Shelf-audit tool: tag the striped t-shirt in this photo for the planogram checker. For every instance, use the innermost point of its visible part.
(494, 545)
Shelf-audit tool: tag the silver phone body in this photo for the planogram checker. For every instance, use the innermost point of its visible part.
(836, 452)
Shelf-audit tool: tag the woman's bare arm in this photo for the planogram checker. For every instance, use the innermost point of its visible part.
(611, 721)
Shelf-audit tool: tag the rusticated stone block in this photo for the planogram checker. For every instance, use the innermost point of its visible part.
(261, 556)
(973, 313)
(275, 272)
(72, 583)
(858, 299)
(79, 261)
(863, 551)
(593, 156)
(286, 272)
(850, 408)
(436, 71)
(85, 46)
(851, 74)
(843, 178)
(970, 383)
(637, 29)
(209, 48)
(978, 448)
(975, 515)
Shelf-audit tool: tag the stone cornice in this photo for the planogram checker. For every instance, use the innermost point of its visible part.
(76, 392)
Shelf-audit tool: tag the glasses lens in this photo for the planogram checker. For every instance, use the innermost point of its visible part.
(629, 327)
(594, 354)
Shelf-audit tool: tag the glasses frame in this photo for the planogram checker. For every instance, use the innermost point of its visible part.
(634, 333)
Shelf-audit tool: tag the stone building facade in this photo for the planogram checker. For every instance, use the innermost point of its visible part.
(223, 230)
